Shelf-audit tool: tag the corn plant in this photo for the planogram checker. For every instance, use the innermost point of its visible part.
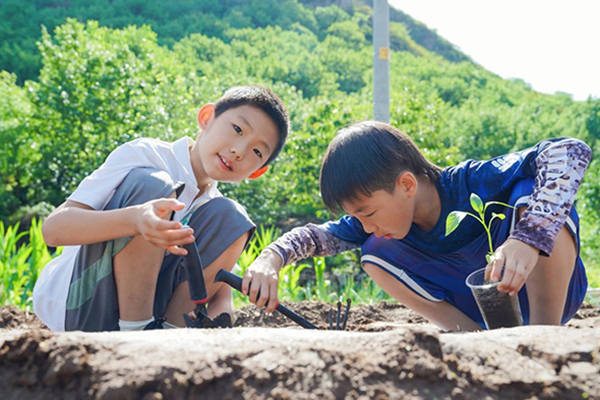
(289, 283)
(20, 264)
(322, 285)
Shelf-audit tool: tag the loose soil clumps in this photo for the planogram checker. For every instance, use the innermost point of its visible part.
(384, 356)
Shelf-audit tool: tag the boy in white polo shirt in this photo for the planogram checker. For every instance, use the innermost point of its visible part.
(124, 225)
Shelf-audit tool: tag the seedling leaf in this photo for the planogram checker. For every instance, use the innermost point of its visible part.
(453, 220)
(476, 203)
(501, 216)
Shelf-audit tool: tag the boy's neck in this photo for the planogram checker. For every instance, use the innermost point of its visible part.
(428, 206)
(203, 189)
(202, 179)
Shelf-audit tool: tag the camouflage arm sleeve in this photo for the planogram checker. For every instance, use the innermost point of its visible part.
(560, 169)
(308, 241)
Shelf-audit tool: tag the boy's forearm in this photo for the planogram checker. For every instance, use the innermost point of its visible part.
(560, 170)
(77, 226)
(308, 241)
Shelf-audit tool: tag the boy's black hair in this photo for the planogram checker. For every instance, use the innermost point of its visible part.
(263, 99)
(366, 157)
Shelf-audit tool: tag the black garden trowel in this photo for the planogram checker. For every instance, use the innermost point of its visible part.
(199, 318)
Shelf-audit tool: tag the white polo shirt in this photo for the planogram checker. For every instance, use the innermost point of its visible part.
(52, 287)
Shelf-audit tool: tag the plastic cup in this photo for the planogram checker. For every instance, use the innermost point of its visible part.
(499, 310)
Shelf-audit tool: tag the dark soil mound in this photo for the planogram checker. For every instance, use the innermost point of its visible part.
(14, 318)
(376, 317)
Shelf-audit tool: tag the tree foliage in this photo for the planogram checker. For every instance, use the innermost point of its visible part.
(100, 84)
(176, 19)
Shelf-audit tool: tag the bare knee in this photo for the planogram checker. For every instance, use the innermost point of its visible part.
(548, 283)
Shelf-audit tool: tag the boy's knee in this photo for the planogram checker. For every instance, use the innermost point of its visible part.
(368, 267)
(221, 211)
(217, 225)
(145, 184)
(149, 180)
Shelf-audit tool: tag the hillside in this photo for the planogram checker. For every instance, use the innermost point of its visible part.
(176, 19)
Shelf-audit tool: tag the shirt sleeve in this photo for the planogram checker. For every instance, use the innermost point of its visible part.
(98, 187)
(319, 240)
(560, 168)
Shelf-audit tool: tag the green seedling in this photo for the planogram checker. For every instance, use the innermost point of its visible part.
(455, 218)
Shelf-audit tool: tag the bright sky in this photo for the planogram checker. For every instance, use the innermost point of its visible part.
(554, 45)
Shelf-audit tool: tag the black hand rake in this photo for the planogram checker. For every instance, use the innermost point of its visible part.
(339, 313)
(236, 282)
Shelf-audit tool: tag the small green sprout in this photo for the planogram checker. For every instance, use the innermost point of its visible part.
(455, 217)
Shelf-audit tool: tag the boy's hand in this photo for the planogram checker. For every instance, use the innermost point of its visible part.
(152, 222)
(518, 259)
(263, 276)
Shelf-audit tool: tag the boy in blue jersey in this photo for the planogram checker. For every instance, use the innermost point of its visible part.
(397, 203)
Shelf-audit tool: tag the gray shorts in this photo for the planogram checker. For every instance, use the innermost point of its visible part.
(92, 303)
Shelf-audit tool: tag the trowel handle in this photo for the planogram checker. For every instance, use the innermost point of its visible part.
(193, 265)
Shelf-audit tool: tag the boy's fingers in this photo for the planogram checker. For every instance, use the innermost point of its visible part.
(180, 251)
(518, 279)
(162, 225)
(246, 282)
(488, 271)
(166, 240)
(508, 285)
(272, 298)
(509, 274)
(165, 206)
(264, 295)
(169, 204)
(172, 243)
(254, 286)
(176, 235)
(498, 263)
(171, 234)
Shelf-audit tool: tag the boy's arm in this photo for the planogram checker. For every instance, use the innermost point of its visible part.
(308, 241)
(75, 223)
(559, 171)
(560, 168)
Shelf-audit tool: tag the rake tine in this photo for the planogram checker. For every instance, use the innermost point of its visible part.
(339, 314)
(348, 302)
(330, 319)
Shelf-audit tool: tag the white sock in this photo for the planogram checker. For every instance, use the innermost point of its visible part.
(167, 325)
(134, 325)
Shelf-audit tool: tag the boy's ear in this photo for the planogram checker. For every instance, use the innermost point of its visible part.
(407, 181)
(258, 172)
(205, 114)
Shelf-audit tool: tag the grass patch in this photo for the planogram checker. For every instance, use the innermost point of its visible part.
(24, 254)
(22, 257)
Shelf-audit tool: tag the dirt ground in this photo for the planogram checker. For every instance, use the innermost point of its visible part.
(388, 352)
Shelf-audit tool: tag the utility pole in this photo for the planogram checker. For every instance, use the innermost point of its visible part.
(381, 61)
